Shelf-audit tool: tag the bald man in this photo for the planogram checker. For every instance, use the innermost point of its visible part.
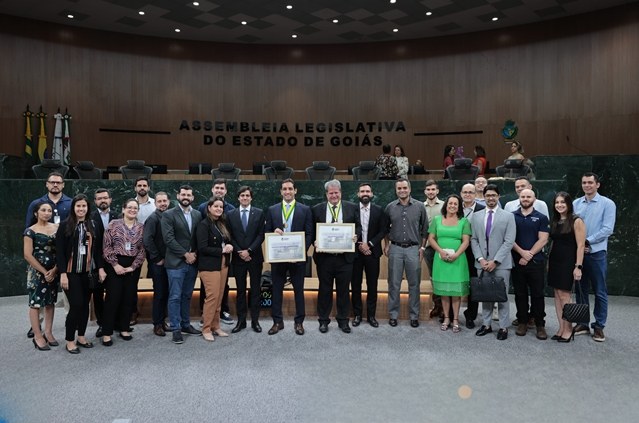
(529, 264)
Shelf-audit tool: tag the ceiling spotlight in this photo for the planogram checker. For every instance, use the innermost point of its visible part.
(70, 16)
(429, 13)
(495, 19)
(141, 13)
(243, 22)
(289, 7)
(294, 36)
(196, 3)
(177, 29)
(395, 30)
(393, 1)
(335, 21)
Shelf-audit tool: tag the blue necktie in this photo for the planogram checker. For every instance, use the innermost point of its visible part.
(244, 218)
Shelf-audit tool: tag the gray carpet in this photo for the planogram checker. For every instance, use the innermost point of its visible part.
(372, 375)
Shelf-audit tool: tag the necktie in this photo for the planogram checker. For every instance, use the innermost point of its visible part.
(244, 218)
(334, 215)
(489, 226)
(365, 219)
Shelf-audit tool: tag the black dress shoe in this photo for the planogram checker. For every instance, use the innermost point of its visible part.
(38, 347)
(241, 324)
(256, 327)
(555, 338)
(346, 328)
(89, 344)
(484, 330)
(107, 343)
(323, 327)
(126, 337)
(392, 322)
(357, 320)
(75, 350)
(98, 333)
(30, 333)
(414, 323)
(191, 330)
(299, 329)
(470, 324)
(276, 328)
(51, 343)
(502, 334)
(373, 322)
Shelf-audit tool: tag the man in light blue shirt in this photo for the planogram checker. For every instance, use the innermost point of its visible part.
(598, 213)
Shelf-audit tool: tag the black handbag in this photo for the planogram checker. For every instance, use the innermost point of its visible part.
(94, 279)
(488, 289)
(576, 313)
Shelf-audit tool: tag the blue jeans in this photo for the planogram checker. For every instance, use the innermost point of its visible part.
(181, 283)
(594, 274)
(160, 292)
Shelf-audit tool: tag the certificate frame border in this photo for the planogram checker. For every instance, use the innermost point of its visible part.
(269, 235)
(318, 230)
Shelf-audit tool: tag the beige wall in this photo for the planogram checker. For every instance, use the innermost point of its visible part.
(571, 85)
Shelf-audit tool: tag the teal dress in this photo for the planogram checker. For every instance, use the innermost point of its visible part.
(41, 293)
(450, 279)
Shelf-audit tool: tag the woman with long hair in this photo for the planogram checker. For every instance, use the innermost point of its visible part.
(480, 160)
(387, 164)
(124, 253)
(76, 257)
(516, 151)
(449, 235)
(42, 274)
(402, 162)
(449, 158)
(214, 253)
(568, 235)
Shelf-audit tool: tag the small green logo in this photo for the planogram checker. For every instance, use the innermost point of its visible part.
(509, 132)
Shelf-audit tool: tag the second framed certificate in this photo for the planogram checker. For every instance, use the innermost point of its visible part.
(285, 248)
(335, 237)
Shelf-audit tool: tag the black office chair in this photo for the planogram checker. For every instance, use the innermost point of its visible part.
(135, 169)
(42, 170)
(512, 168)
(278, 170)
(320, 171)
(366, 171)
(226, 171)
(87, 170)
(462, 170)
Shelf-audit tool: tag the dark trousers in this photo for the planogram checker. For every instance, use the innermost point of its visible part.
(118, 305)
(473, 306)
(225, 298)
(278, 273)
(97, 293)
(160, 292)
(254, 269)
(78, 296)
(333, 268)
(529, 277)
(370, 265)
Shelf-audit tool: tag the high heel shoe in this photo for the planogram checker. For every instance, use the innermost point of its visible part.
(446, 324)
(38, 347)
(456, 328)
(555, 338)
(53, 343)
(566, 340)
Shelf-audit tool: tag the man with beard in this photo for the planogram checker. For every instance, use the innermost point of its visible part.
(178, 231)
(60, 204)
(369, 250)
(155, 252)
(529, 264)
(521, 184)
(218, 190)
(147, 204)
(100, 217)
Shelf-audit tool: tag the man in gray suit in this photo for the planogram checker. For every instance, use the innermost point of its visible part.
(493, 237)
(180, 261)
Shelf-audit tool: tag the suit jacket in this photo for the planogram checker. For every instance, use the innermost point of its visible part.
(377, 228)
(153, 241)
(469, 251)
(176, 235)
(502, 238)
(350, 214)
(209, 246)
(302, 221)
(99, 228)
(249, 239)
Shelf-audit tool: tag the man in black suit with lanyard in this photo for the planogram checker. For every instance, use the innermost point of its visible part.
(289, 216)
(247, 226)
(100, 217)
(337, 267)
(368, 251)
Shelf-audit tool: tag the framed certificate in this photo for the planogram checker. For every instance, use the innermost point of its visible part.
(335, 237)
(286, 248)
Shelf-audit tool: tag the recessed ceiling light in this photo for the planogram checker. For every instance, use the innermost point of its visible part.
(294, 36)
(141, 13)
(177, 29)
(335, 21)
(243, 22)
(429, 13)
(196, 3)
(70, 16)
(393, 1)
(495, 19)
(395, 30)
(289, 7)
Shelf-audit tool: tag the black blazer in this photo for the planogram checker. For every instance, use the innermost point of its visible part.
(252, 238)
(302, 221)
(377, 228)
(64, 248)
(153, 241)
(209, 247)
(99, 228)
(350, 214)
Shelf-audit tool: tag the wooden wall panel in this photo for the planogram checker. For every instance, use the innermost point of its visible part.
(570, 85)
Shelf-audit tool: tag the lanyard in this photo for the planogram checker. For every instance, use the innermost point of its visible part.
(287, 215)
(335, 212)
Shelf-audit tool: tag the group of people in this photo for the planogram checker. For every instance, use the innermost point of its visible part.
(392, 166)
(100, 253)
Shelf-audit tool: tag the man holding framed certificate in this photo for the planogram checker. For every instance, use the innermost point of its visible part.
(338, 227)
(281, 218)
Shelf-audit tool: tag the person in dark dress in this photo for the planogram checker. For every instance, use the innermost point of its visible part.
(568, 235)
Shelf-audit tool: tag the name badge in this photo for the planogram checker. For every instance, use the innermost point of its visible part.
(56, 219)
(83, 250)
(127, 246)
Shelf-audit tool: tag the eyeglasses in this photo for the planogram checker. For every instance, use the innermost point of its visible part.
(468, 192)
(55, 182)
(491, 195)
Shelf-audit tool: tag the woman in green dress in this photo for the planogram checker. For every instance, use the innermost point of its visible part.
(449, 235)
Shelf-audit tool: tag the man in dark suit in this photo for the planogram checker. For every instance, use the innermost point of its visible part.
(247, 229)
(369, 250)
(178, 231)
(470, 206)
(289, 216)
(332, 267)
(100, 217)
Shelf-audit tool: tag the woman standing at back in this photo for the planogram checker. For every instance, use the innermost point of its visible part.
(402, 162)
(449, 158)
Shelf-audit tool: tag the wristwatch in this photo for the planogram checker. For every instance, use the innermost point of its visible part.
(579, 266)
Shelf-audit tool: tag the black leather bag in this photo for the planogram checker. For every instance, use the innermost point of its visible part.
(576, 313)
(488, 288)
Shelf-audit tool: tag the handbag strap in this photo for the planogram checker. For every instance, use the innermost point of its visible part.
(576, 283)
